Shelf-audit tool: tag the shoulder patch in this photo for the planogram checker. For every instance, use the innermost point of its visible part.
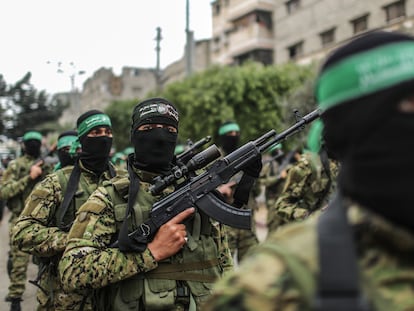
(96, 202)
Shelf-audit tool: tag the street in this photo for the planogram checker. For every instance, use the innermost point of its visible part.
(29, 298)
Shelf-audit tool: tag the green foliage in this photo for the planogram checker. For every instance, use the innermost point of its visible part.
(24, 108)
(252, 95)
(257, 97)
(120, 113)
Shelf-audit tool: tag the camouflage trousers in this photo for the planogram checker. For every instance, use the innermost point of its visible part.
(240, 241)
(18, 261)
(52, 297)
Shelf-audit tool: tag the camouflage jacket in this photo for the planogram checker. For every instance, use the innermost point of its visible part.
(286, 268)
(36, 230)
(16, 183)
(89, 262)
(307, 188)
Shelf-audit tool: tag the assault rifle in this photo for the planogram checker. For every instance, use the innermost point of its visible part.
(200, 191)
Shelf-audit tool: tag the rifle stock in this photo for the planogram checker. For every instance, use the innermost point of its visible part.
(200, 191)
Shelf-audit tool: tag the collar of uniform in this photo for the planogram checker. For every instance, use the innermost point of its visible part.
(147, 178)
(84, 169)
(144, 176)
(402, 238)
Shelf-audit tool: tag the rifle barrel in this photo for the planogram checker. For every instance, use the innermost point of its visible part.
(292, 130)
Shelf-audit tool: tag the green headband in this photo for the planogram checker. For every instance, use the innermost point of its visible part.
(178, 149)
(66, 141)
(231, 127)
(32, 135)
(275, 146)
(315, 136)
(365, 73)
(92, 121)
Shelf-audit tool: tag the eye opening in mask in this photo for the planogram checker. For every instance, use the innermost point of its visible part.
(149, 127)
(406, 105)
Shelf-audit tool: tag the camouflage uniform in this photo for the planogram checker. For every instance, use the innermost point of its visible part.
(281, 272)
(125, 281)
(240, 240)
(16, 185)
(307, 188)
(272, 179)
(37, 232)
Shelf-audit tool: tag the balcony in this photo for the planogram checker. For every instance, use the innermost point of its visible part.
(249, 38)
(240, 8)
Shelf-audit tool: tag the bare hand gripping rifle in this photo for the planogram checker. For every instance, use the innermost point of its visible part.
(200, 191)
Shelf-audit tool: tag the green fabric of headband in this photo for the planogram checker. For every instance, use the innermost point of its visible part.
(315, 136)
(231, 127)
(91, 122)
(66, 141)
(365, 73)
(32, 135)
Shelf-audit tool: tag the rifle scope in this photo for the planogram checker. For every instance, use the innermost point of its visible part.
(198, 161)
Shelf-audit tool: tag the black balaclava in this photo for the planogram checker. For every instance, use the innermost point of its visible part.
(154, 149)
(32, 147)
(95, 150)
(229, 143)
(65, 139)
(371, 139)
(32, 141)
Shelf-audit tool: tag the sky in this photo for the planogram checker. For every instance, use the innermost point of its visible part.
(85, 35)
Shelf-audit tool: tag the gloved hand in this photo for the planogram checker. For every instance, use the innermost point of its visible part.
(254, 168)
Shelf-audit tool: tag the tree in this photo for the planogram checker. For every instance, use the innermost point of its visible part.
(25, 108)
(254, 95)
(120, 114)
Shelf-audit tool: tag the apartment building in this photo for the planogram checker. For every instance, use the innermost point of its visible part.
(278, 31)
(242, 30)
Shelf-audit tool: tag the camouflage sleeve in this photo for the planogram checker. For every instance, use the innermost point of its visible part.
(220, 237)
(88, 261)
(261, 282)
(290, 204)
(31, 232)
(11, 184)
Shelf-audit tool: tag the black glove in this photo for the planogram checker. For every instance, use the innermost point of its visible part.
(254, 167)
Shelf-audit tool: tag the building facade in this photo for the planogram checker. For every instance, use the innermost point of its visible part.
(105, 87)
(306, 30)
(279, 31)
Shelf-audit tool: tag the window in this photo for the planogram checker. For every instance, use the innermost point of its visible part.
(295, 50)
(264, 19)
(360, 24)
(292, 6)
(327, 37)
(216, 8)
(394, 10)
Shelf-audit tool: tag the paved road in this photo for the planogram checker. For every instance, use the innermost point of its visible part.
(29, 298)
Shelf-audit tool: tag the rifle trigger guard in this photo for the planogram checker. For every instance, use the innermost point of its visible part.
(145, 229)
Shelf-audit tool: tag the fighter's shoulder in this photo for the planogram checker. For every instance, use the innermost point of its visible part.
(297, 239)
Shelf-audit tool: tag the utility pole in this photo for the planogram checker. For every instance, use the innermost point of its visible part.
(72, 72)
(189, 42)
(158, 38)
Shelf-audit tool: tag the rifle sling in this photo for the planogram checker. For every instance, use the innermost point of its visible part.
(338, 283)
(72, 186)
(70, 192)
(124, 241)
